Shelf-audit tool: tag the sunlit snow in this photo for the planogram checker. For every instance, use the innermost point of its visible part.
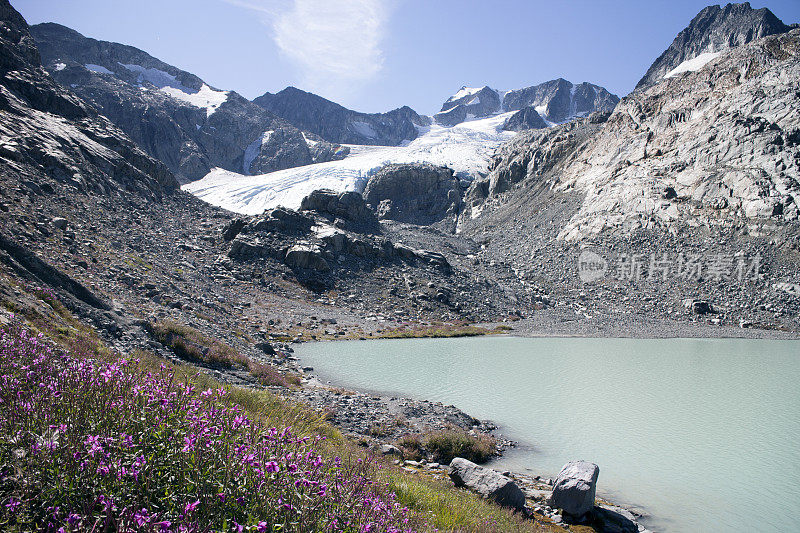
(251, 152)
(206, 97)
(692, 65)
(466, 148)
(100, 69)
(464, 91)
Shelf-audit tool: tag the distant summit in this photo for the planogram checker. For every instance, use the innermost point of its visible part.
(550, 102)
(336, 123)
(714, 30)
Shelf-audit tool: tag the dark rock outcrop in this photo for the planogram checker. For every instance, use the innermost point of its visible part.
(575, 488)
(338, 124)
(526, 118)
(45, 126)
(714, 29)
(172, 114)
(421, 194)
(486, 482)
(347, 206)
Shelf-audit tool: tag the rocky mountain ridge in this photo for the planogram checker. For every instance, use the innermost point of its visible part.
(714, 30)
(537, 106)
(338, 124)
(172, 114)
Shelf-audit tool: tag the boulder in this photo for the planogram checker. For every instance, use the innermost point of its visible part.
(486, 482)
(265, 347)
(698, 307)
(389, 449)
(575, 488)
(244, 248)
(349, 206)
(306, 256)
(60, 223)
(616, 520)
(233, 229)
(414, 193)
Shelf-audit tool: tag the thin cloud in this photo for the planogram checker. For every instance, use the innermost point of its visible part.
(335, 44)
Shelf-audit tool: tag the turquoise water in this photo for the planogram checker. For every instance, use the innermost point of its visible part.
(703, 434)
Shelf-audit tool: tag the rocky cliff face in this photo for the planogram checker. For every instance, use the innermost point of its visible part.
(172, 114)
(714, 30)
(45, 129)
(684, 199)
(716, 146)
(719, 144)
(338, 124)
(533, 157)
(421, 194)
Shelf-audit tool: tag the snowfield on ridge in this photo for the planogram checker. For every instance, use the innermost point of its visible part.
(466, 148)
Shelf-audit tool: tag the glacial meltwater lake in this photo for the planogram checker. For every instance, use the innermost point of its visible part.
(703, 434)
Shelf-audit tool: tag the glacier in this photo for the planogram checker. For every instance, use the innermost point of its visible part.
(466, 148)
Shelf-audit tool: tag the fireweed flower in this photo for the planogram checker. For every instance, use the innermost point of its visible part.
(111, 440)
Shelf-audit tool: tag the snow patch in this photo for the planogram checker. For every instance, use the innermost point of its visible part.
(207, 98)
(252, 150)
(475, 101)
(157, 77)
(100, 69)
(464, 91)
(466, 148)
(310, 142)
(692, 65)
(60, 66)
(363, 129)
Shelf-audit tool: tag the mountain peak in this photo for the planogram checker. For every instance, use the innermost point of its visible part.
(712, 31)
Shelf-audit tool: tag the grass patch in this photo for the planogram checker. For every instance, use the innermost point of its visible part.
(444, 445)
(447, 444)
(268, 375)
(432, 331)
(190, 344)
(449, 509)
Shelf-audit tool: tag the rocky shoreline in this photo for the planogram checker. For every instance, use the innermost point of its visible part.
(377, 421)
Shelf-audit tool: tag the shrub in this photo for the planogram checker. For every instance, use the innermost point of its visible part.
(268, 375)
(411, 446)
(86, 445)
(190, 344)
(446, 444)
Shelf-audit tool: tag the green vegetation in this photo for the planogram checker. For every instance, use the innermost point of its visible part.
(190, 344)
(436, 503)
(448, 443)
(433, 331)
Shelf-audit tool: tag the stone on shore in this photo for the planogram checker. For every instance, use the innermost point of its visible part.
(389, 449)
(575, 488)
(486, 482)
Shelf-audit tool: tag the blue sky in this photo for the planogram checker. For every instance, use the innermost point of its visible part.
(375, 55)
